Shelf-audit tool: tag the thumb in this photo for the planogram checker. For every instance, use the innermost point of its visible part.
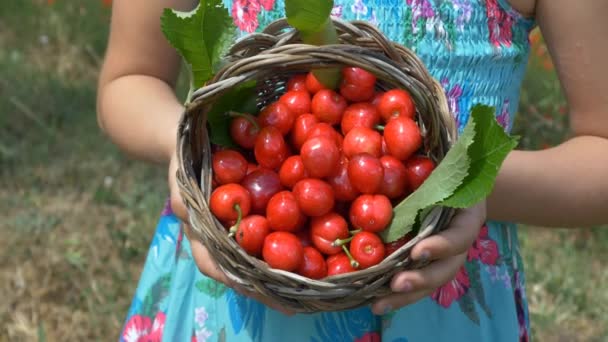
(177, 203)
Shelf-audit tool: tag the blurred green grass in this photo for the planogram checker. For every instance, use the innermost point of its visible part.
(78, 215)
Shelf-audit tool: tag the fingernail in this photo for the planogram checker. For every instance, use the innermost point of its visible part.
(405, 287)
(425, 256)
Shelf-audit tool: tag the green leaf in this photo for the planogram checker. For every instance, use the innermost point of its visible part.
(211, 288)
(308, 15)
(440, 184)
(488, 151)
(467, 305)
(240, 99)
(155, 295)
(201, 36)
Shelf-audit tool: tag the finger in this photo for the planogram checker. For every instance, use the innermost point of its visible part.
(409, 285)
(457, 238)
(205, 263)
(177, 203)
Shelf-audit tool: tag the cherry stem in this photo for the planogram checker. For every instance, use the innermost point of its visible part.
(380, 127)
(341, 242)
(247, 117)
(354, 263)
(235, 226)
(353, 232)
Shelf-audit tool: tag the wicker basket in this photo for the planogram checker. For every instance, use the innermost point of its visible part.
(271, 57)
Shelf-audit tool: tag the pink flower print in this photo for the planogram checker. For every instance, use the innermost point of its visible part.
(245, 14)
(137, 328)
(156, 335)
(453, 96)
(202, 335)
(484, 248)
(504, 118)
(267, 4)
(167, 210)
(200, 318)
(359, 8)
(453, 290)
(500, 24)
(420, 9)
(369, 337)
(336, 11)
(464, 10)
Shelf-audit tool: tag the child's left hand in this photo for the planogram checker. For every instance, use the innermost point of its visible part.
(447, 251)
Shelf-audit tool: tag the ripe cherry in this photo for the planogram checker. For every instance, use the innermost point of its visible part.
(362, 140)
(362, 114)
(339, 264)
(283, 212)
(395, 181)
(340, 182)
(229, 166)
(326, 130)
(283, 251)
(315, 197)
(357, 84)
(396, 103)
(261, 185)
(392, 247)
(297, 101)
(301, 128)
(371, 213)
(251, 232)
(326, 229)
(367, 249)
(418, 169)
(328, 106)
(376, 99)
(230, 202)
(270, 148)
(278, 115)
(314, 266)
(292, 171)
(297, 82)
(320, 156)
(365, 173)
(244, 128)
(402, 137)
(312, 84)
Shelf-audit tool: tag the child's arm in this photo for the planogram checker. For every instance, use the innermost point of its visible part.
(566, 186)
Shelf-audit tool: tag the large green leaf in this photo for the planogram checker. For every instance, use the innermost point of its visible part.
(308, 15)
(492, 144)
(201, 36)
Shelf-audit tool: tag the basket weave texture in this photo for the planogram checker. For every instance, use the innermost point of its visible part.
(271, 57)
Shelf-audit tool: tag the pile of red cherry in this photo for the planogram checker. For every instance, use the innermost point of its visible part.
(316, 174)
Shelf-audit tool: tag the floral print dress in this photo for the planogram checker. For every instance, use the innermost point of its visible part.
(478, 50)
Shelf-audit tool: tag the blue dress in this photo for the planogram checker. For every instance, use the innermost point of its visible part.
(478, 50)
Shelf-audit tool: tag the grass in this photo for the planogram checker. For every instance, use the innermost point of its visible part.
(78, 215)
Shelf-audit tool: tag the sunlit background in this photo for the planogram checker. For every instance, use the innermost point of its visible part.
(77, 216)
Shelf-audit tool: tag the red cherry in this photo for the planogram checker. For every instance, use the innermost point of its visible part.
(340, 182)
(251, 232)
(371, 213)
(312, 84)
(392, 247)
(292, 171)
(326, 130)
(376, 99)
(402, 137)
(362, 114)
(367, 249)
(394, 184)
(396, 103)
(301, 128)
(314, 266)
(278, 115)
(320, 156)
(339, 264)
(226, 198)
(357, 84)
(283, 212)
(244, 129)
(297, 82)
(418, 169)
(283, 251)
(304, 236)
(229, 166)
(362, 140)
(365, 173)
(297, 101)
(261, 184)
(315, 197)
(326, 229)
(328, 106)
(270, 148)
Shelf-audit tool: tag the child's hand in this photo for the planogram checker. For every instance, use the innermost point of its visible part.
(201, 255)
(447, 251)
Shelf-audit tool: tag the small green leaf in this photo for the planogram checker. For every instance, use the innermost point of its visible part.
(201, 36)
(440, 184)
(487, 153)
(211, 287)
(240, 99)
(308, 15)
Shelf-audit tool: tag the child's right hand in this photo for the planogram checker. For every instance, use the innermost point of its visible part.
(201, 255)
